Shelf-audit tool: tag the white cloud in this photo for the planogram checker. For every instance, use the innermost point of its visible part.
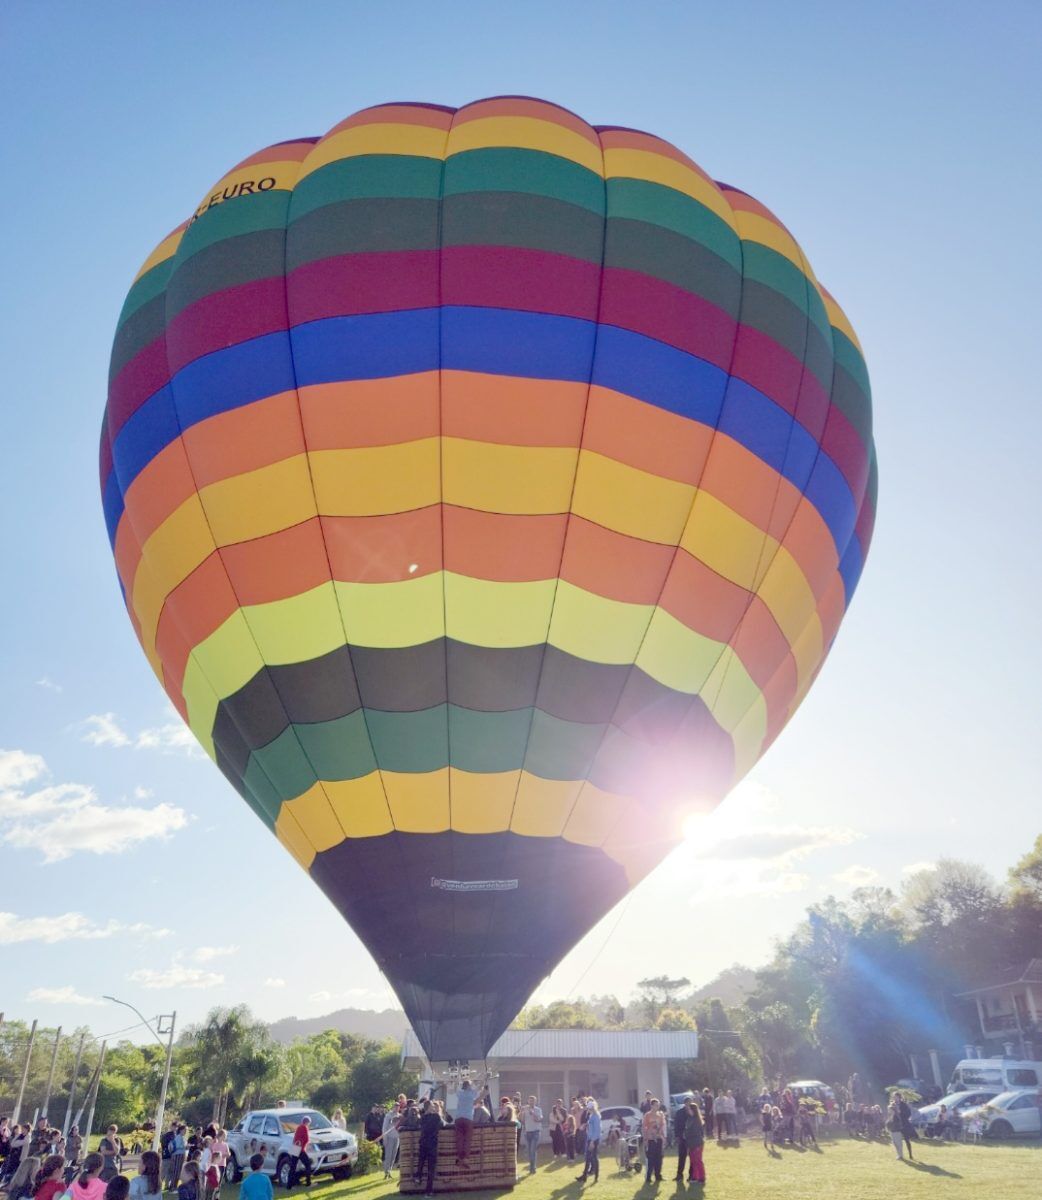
(143, 793)
(176, 976)
(916, 867)
(209, 953)
(856, 876)
(172, 737)
(321, 997)
(102, 729)
(274, 982)
(67, 927)
(61, 995)
(60, 819)
(48, 684)
(17, 767)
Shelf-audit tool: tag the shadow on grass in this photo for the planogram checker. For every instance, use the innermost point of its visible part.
(930, 1168)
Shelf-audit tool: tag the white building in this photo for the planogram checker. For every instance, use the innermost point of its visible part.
(615, 1066)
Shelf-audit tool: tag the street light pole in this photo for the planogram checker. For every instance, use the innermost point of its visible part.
(161, 1110)
(172, 1018)
(72, 1086)
(50, 1073)
(25, 1076)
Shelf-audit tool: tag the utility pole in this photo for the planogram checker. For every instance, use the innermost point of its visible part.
(50, 1073)
(161, 1110)
(72, 1087)
(25, 1076)
(94, 1096)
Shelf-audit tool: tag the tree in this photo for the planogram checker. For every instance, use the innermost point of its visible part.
(674, 1019)
(378, 1077)
(659, 992)
(1025, 879)
(229, 1055)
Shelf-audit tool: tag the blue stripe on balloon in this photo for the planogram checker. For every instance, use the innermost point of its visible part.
(498, 342)
(112, 505)
(850, 567)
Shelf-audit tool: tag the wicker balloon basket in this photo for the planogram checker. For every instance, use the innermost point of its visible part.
(492, 1161)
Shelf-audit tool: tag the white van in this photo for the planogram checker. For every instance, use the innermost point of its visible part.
(1006, 1074)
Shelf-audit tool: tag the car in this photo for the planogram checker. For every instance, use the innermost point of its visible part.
(677, 1100)
(813, 1088)
(332, 1150)
(1009, 1114)
(614, 1116)
(1007, 1074)
(960, 1101)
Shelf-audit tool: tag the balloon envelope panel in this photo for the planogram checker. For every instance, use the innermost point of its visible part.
(486, 490)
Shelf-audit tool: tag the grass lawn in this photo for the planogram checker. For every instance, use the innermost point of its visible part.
(845, 1169)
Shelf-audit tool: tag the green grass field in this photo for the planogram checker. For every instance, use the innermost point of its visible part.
(850, 1170)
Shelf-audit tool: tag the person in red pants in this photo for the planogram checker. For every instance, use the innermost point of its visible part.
(695, 1136)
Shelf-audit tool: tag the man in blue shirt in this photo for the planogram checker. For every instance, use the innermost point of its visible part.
(466, 1096)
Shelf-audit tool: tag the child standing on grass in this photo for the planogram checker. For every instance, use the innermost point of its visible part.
(766, 1124)
(256, 1185)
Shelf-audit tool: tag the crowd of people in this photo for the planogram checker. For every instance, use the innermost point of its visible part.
(38, 1163)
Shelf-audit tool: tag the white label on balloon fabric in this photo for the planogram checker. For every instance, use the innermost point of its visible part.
(474, 885)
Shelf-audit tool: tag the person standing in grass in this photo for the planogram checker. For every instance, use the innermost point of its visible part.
(653, 1130)
(532, 1121)
(431, 1124)
(592, 1164)
(695, 1136)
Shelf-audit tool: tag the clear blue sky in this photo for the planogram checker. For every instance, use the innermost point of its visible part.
(899, 142)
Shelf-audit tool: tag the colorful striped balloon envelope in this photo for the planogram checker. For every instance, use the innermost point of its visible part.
(486, 489)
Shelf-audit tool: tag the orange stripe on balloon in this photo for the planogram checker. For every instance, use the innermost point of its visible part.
(370, 412)
(244, 439)
(524, 106)
(611, 564)
(395, 114)
(646, 437)
(510, 410)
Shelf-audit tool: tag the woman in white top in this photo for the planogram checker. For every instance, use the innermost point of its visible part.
(390, 1139)
(338, 1119)
(146, 1185)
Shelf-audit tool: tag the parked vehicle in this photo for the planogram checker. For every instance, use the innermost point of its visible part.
(1006, 1074)
(331, 1150)
(814, 1088)
(927, 1114)
(1009, 1114)
(624, 1117)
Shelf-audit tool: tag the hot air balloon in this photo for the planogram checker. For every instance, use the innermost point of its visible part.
(486, 490)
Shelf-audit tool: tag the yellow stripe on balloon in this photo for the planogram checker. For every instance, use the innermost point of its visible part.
(787, 594)
(754, 228)
(485, 613)
(372, 480)
(314, 629)
(167, 248)
(290, 834)
(676, 655)
(316, 817)
(657, 168)
(507, 479)
(630, 501)
(392, 615)
(838, 319)
(257, 179)
(595, 814)
(419, 802)
(543, 805)
(726, 542)
(482, 803)
(172, 553)
(259, 502)
(525, 133)
(595, 628)
(360, 805)
(419, 141)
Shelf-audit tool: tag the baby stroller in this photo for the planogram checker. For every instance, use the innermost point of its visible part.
(628, 1148)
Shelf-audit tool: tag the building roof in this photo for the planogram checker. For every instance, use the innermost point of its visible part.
(582, 1043)
(1031, 973)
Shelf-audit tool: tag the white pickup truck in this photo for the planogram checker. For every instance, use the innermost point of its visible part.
(270, 1131)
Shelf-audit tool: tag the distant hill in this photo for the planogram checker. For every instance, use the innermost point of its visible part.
(730, 987)
(366, 1022)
